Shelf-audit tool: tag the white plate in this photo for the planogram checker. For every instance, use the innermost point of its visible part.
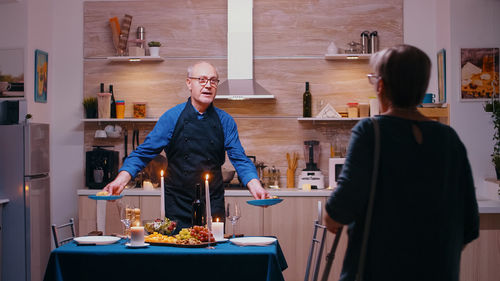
(221, 240)
(252, 241)
(98, 240)
(136, 246)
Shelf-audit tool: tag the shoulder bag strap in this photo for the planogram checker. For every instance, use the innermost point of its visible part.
(371, 200)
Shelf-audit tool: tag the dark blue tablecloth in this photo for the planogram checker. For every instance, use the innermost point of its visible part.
(117, 262)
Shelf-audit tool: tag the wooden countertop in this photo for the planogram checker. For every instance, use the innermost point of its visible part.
(485, 206)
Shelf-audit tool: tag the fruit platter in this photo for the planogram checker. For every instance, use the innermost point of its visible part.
(193, 237)
(164, 227)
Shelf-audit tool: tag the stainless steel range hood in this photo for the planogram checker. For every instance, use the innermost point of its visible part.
(240, 84)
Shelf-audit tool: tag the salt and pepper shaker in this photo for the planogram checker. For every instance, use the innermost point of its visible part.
(141, 35)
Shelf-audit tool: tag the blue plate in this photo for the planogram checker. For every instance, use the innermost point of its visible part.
(265, 202)
(110, 197)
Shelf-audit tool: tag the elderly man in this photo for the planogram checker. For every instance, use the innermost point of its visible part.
(195, 136)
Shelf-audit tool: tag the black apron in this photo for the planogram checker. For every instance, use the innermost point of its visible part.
(196, 148)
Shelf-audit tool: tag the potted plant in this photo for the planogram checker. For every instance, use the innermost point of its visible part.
(154, 48)
(90, 106)
(493, 107)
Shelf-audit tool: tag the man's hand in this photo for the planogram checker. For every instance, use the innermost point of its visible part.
(257, 190)
(118, 184)
(331, 225)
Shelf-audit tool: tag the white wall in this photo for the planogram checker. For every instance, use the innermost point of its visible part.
(435, 24)
(474, 24)
(419, 30)
(67, 159)
(39, 36)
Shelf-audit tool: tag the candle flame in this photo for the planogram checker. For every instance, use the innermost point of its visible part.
(161, 173)
(206, 177)
(217, 219)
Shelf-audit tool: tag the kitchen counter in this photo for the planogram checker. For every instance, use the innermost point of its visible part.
(285, 192)
(485, 206)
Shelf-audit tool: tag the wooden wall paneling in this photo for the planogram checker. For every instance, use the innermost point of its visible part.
(193, 28)
(334, 82)
(270, 139)
(200, 27)
(160, 85)
(308, 27)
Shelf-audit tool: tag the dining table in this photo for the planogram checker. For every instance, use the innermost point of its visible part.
(221, 261)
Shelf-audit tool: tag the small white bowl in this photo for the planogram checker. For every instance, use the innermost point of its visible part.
(100, 134)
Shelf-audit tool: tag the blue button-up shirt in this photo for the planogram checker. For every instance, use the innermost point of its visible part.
(160, 137)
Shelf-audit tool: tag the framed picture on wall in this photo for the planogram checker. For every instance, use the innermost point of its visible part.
(41, 71)
(441, 66)
(479, 74)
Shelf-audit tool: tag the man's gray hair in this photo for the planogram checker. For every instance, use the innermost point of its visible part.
(190, 68)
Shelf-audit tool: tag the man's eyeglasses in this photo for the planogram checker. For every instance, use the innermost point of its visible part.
(203, 81)
(372, 78)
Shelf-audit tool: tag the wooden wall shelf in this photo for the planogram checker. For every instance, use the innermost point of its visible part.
(135, 59)
(347, 56)
(128, 120)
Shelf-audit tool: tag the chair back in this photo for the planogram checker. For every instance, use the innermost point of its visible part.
(317, 246)
(63, 233)
(316, 252)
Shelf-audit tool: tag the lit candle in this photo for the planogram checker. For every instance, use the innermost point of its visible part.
(137, 236)
(162, 196)
(207, 203)
(218, 230)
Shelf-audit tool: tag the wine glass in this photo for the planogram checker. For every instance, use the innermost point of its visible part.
(126, 215)
(233, 213)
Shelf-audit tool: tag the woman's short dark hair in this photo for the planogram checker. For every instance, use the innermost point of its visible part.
(405, 71)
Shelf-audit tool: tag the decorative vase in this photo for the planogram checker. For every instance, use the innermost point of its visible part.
(154, 51)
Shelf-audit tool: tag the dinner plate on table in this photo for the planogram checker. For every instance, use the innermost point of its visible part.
(109, 197)
(252, 241)
(265, 202)
(97, 240)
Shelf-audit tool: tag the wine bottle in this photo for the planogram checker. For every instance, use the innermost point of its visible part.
(307, 110)
(102, 88)
(197, 207)
(113, 102)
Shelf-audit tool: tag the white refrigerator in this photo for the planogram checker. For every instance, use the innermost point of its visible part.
(24, 180)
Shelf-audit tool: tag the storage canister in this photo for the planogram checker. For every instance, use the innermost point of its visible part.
(120, 109)
(364, 110)
(352, 110)
(139, 110)
(104, 105)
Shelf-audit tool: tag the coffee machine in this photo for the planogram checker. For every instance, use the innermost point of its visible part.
(101, 167)
(311, 177)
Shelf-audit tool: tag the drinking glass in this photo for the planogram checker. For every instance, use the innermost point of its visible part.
(126, 215)
(233, 213)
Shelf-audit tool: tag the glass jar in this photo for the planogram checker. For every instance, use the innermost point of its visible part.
(139, 110)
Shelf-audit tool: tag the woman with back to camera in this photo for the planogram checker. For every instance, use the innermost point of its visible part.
(425, 208)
